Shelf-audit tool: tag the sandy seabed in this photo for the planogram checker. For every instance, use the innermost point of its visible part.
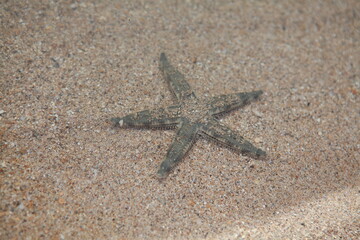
(67, 67)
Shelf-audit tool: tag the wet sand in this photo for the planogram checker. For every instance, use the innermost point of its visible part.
(68, 173)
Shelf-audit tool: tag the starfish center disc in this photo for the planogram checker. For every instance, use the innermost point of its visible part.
(194, 110)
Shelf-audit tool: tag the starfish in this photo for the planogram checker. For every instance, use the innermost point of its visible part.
(193, 117)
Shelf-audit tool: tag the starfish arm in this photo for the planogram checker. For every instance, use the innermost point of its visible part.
(178, 85)
(157, 118)
(224, 103)
(185, 138)
(221, 134)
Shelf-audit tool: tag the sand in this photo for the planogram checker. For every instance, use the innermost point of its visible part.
(67, 67)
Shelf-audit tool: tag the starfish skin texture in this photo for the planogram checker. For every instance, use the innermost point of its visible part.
(192, 117)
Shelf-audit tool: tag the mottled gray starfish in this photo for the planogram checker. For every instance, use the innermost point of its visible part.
(192, 117)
